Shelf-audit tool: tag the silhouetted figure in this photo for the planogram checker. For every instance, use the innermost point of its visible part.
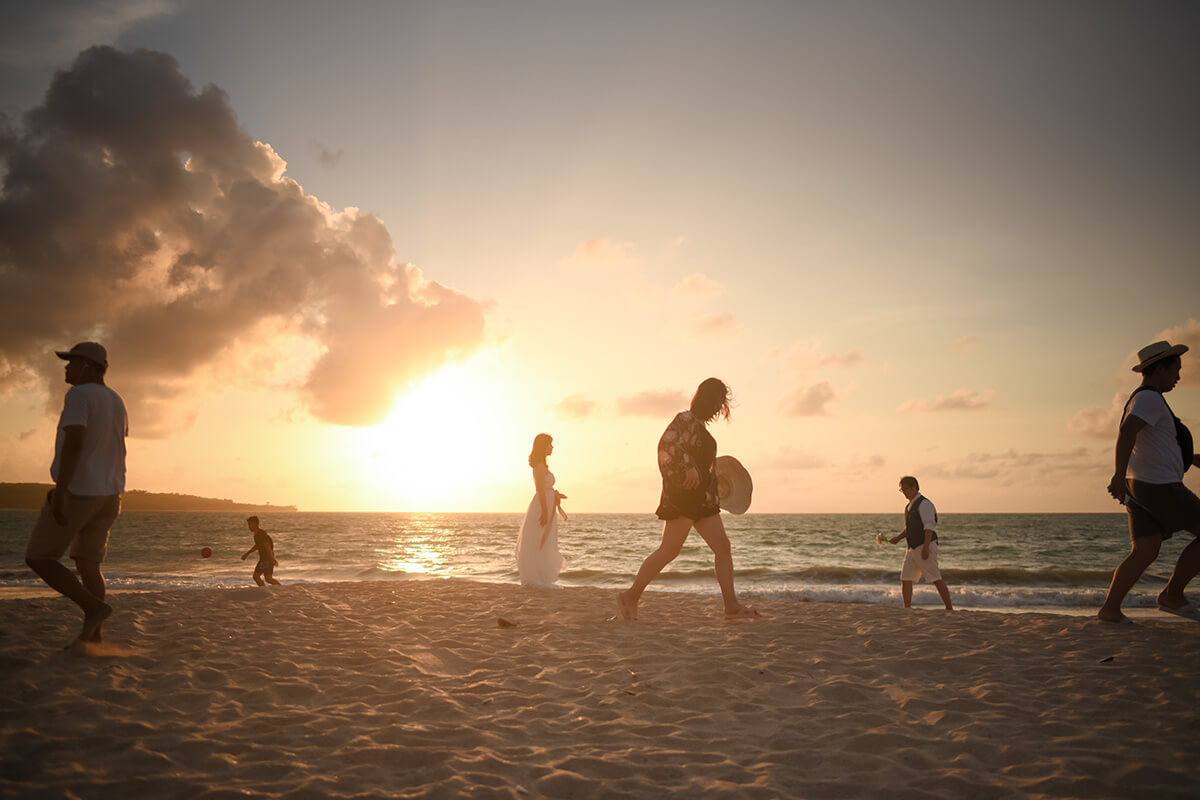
(538, 559)
(1153, 451)
(690, 498)
(89, 477)
(920, 531)
(265, 545)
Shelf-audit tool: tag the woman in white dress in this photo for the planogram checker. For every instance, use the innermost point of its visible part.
(538, 559)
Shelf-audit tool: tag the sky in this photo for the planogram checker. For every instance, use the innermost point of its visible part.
(355, 256)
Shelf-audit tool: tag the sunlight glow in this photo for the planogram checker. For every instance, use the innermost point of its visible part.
(440, 445)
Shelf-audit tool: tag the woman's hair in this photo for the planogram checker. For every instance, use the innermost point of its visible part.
(541, 449)
(711, 400)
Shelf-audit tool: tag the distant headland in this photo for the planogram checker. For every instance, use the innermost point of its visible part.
(33, 495)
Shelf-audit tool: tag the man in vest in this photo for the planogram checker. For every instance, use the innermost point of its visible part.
(1150, 462)
(89, 477)
(920, 529)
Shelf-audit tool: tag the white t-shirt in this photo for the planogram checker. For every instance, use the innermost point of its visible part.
(101, 469)
(1156, 457)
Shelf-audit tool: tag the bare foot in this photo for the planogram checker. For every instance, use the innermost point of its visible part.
(1171, 602)
(741, 612)
(1107, 616)
(627, 605)
(92, 622)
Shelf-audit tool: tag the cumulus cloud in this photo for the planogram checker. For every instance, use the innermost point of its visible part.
(698, 286)
(47, 33)
(809, 401)
(135, 211)
(962, 400)
(722, 326)
(654, 403)
(575, 406)
(1099, 423)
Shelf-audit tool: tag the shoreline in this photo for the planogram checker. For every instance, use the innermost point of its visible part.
(417, 689)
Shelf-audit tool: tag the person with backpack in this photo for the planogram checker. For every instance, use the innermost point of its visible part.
(1153, 451)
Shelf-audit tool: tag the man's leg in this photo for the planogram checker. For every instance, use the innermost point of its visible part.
(93, 581)
(942, 590)
(258, 577)
(1186, 568)
(269, 574)
(906, 593)
(1141, 555)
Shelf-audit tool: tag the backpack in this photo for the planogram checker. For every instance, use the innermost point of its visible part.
(1183, 437)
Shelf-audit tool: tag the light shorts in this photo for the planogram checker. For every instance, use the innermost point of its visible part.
(89, 519)
(1160, 509)
(915, 567)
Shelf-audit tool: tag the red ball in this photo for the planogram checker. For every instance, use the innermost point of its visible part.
(205, 552)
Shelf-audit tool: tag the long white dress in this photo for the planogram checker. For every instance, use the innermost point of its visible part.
(539, 566)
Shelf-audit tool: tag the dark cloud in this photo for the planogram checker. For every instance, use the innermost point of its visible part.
(656, 403)
(134, 210)
(48, 33)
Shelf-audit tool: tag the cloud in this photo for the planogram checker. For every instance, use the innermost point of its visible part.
(655, 403)
(810, 353)
(134, 210)
(698, 287)
(575, 406)
(325, 156)
(1012, 465)
(603, 254)
(809, 401)
(962, 400)
(1099, 423)
(717, 325)
(966, 343)
(48, 33)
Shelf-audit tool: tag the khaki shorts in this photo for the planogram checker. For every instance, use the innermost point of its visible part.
(89, 520)
(916, 567)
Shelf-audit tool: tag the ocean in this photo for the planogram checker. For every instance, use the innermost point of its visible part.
(1043, 562)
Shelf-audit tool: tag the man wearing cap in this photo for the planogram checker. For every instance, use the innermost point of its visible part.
(1153, 451)
(89, 477)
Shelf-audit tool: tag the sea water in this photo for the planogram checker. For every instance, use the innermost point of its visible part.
(1039, 562)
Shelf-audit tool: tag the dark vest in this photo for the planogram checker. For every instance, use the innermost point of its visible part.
(914, 528)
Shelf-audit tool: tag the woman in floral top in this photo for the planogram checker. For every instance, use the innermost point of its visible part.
(686, 453)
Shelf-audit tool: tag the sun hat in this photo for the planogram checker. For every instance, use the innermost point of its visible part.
(92, 351)
(733, 484)
(1153, 353)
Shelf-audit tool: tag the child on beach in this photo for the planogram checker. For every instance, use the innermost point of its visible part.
(265, 568)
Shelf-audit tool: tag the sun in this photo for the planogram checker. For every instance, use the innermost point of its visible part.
(445, 445)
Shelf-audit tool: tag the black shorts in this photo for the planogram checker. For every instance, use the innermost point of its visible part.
(1160, 509)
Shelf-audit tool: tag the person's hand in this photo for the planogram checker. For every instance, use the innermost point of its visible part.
(275, 562)
(691, 478)
(896, 539)
(244, 557)
(925, 553)
(58, 507)
(1116, 487)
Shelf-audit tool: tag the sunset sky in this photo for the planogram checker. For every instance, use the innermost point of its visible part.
(355, 256)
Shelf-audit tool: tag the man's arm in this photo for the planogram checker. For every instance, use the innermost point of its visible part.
(1126, 438)
(72, 449)
(925, 547)
(248, 552)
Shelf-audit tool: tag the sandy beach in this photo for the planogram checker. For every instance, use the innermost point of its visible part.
(424, 689)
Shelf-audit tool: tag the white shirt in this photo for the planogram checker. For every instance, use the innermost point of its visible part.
(1155, 457)
(928, 512)
(101, 411)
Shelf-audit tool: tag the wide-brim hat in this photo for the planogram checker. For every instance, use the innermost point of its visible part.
(92, 351)
(1153, 353)
(733, 484)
